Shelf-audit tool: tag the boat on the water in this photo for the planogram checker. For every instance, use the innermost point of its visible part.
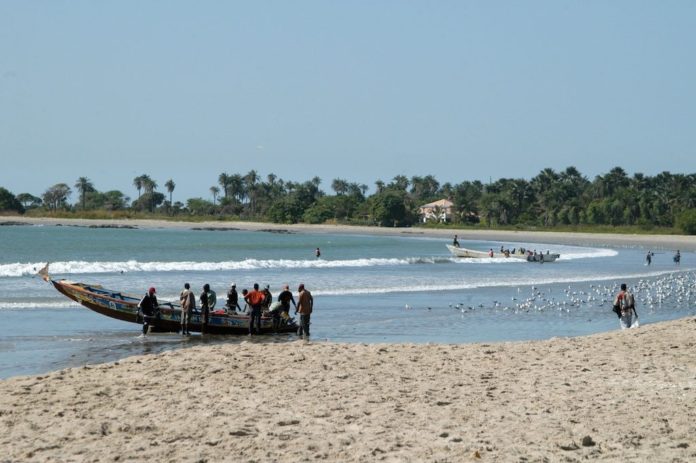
(120, 306)
(529, 257)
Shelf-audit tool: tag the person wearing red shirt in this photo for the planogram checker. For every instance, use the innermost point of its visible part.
(255, 300)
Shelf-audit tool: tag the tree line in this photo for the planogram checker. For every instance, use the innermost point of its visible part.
(547, 200)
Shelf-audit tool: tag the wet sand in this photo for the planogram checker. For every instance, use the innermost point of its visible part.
(655, 242)
(619, 396)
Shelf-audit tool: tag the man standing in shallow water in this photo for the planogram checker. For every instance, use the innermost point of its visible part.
(305, 305)
(255, 300)
(188, 304)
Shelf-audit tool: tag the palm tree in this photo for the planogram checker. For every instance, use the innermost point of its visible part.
(138, 184)
(340, 186)
(149, 185)
(215, 191)
(84, 186)
(237, 187)
(170, 185)
(225, 182)
(250, 181)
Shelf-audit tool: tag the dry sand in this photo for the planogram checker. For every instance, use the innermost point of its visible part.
(619, 396)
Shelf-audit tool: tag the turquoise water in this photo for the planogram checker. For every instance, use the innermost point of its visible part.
(367, 288)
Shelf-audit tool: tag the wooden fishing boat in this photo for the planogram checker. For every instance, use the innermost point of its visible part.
(472, 254)
(124, 307)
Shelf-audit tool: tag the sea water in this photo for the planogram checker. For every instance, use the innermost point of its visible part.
(367, 289)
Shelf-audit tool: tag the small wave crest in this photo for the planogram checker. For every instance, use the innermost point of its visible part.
(6, 305)
(81, 267)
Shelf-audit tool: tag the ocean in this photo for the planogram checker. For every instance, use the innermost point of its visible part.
(405, 288)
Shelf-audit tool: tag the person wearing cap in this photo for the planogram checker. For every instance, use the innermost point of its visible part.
(255, 300)
(233, 299)
(305, 305)
(148, 307)
(188, 304)
(267, 298)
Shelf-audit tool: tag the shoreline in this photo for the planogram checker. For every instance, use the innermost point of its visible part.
(685, 243)
(621, 396)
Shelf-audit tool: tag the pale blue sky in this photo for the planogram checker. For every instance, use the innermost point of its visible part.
(361, 90)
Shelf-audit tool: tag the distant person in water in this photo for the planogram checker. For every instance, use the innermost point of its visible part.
(648, 258)
(188, 304)
(677, 257)
(455, 242)
(148, 307)
(317, 253)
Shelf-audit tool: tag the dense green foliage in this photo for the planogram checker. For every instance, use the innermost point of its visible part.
(550, 200)
(8, 202)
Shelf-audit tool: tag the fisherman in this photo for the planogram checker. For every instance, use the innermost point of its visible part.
(208, 300)
(150, 309)
(285, 298)
(267, 298)
(232, 299)
(625, 307)
(305, 305)
(188, 304)
(255, 300)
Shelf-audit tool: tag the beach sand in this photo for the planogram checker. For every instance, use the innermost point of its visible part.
(619, 396)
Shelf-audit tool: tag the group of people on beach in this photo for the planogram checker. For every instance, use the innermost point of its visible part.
(256, 302)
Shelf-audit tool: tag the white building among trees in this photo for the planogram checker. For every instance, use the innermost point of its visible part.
(439, 211)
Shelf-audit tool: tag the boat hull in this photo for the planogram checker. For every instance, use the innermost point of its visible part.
(472, 254)
(123, 307)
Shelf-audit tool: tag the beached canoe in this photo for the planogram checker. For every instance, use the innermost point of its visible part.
(472, 254)
(124, 307)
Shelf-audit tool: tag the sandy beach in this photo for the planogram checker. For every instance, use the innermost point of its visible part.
(656, 242)
(619, 396)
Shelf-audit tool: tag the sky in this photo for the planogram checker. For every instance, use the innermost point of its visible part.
(359, 90)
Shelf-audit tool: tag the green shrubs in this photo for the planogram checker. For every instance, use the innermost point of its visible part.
(686, 221)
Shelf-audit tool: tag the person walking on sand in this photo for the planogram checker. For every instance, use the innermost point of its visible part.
(188, 304)
(148, 307)
(255, 300)
(305, 305)
(625, 306)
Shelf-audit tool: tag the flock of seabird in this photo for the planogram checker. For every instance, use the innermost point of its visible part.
(674, 290)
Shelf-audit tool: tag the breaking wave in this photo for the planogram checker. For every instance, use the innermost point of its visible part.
(100, 267)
